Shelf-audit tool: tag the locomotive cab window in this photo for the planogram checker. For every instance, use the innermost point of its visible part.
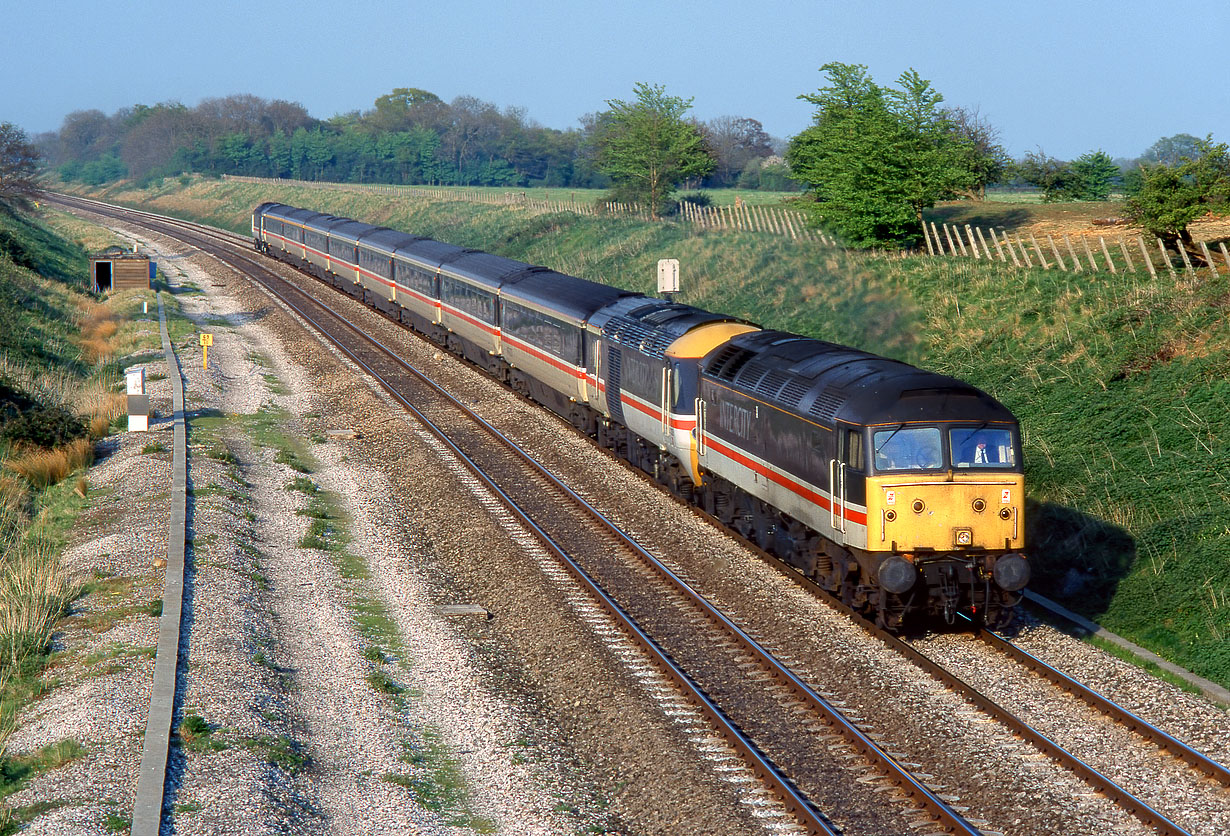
(978, 447)
(907, 448)
(854, 450)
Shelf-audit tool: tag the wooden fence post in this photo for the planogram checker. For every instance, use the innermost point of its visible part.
(999, 248)
(1187, 262)
(1016, 262)
(952, 248)
(1093, 265)
(1208, 257)
(939, 245)
(1038, 251)
(1076, 262)
(1166, 258)
(1144, 251)
(927, 239)
(973, 245)
(1024, 250)
(1106, 253)
(1225, 255)
(985, 248)
(1058, 257)
(1127, 258)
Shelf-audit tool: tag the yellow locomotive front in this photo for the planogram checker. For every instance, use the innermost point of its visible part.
(946, 502)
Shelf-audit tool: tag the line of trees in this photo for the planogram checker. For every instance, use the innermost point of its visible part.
(408, 136)
(873, 160)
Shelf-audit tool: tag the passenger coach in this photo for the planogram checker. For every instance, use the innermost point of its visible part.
(899, 489)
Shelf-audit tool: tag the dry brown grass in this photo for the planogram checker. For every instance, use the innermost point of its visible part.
(43, 468)
(14, 494)
(99, 405)
(97, 326)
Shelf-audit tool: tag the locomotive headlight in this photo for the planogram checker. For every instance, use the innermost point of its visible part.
(1005, 513)
(979, 505)
(963, 536)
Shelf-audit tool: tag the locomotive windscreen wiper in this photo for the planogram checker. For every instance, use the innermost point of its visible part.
(891, 435)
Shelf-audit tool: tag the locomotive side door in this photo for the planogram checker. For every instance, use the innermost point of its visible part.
(837, 488)
(668, 386)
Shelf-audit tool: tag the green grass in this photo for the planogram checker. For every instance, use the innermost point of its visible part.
(436, 782)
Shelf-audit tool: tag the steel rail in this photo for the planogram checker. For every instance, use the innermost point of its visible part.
(767, 773)
(1095, 779)
(1101, 703)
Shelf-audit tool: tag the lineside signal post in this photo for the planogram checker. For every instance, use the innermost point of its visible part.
(206, 341)
(668, 277)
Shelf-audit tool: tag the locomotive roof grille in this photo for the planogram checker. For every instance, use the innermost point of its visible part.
(729, 361)
(826, 405)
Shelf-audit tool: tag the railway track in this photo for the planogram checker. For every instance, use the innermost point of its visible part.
(784, 729)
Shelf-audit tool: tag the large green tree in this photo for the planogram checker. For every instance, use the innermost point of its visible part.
(1172, 196)
(876, 157)
(1096, 174)
(647, 148)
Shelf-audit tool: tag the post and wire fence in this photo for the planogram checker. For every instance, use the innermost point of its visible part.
(1025, 250)
(1021, 249)
(740, 216)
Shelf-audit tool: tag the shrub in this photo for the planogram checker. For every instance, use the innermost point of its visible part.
(696, 198)
(45, 426)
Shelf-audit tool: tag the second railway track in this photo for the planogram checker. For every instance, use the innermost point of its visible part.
(759, 696)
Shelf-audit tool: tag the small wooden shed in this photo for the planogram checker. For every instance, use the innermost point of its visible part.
(116, 269)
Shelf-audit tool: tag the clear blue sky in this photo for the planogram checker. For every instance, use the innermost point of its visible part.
(1069, 77)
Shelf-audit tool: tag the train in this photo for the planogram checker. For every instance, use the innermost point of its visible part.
(899, 490)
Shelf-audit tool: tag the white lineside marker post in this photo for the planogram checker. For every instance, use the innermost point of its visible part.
(206, 341)
(668, 277)
(138, 401)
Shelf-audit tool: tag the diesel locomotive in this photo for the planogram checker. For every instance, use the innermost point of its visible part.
(898, 489)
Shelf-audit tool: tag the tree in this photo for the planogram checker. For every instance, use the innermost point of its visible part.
(1172, 196)
(647, 148)
(986, 157)
(1053, 176)
(18, 166)
(735, 141)
(1095, 174)
(877, 157)
(1171, 150)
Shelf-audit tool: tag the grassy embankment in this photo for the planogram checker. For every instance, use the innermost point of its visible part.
(60, 390)
(1118, 380)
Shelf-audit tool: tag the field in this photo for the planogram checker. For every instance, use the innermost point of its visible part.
(1118, 379)
(720, 197)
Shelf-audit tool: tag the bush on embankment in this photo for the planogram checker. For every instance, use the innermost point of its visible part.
(1118, 380)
